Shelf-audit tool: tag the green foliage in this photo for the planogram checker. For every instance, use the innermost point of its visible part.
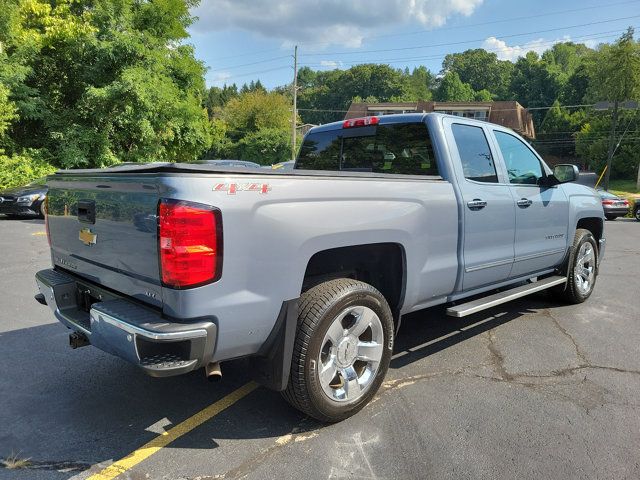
(256, 110)
(216, 98)
(18, 170)
(265, 146)
(96, 82)
(592, 143)
(417, 85)
(534, 85)
(481, 70)
(452, 89)
(7, 111)
(615, 75)
(558, 130)
(221, 144)
(329, 93)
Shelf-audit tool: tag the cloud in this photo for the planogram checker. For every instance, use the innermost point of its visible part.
(513, 52)
(328, 21)
(330, 64)
(218, 78)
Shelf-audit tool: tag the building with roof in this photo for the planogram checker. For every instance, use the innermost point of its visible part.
(506, 113)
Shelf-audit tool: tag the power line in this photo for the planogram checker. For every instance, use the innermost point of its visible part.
(252, 63)
(504, 20)
(586, 105)
(416, 47)
(593, 36)
(231, 78)
(248, 54)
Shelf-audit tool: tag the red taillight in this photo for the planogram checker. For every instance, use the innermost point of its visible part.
(190, 244)
(608, 202)
(626, 203)
(360, 122)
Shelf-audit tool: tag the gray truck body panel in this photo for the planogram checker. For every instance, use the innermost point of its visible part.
(449, 251)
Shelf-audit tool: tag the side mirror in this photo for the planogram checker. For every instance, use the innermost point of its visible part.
(566, 173)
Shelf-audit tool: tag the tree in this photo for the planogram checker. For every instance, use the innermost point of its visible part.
(452, 89)
(592, 143)
(253, 111)
(216, 97)
(417, 85)
(96, 82)
(615, 76)
(481, 70)
(558, 130)
(7, 112)
(266, 146)
(533, 85)
(326, 95)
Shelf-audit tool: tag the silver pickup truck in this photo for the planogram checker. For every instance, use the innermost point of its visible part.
(175, 267)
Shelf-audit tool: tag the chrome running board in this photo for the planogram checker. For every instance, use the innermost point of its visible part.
(480, 304)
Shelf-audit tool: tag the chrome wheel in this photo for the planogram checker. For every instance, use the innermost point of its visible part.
(350, 354)
(585, 268)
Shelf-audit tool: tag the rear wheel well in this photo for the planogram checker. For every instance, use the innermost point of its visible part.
(593, 224)
(381, 265)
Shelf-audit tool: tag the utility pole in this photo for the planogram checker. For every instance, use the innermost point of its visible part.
(294, 118)
(612, 144)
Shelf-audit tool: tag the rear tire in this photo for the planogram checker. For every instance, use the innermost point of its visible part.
(637, 213)
(342, 349)
(582, 270)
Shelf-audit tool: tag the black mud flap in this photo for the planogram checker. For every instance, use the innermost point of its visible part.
(272, 364)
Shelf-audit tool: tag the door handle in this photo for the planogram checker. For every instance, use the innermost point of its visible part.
(476, 204)
(524, 202)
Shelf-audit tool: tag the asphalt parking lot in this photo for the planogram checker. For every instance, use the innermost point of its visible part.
(531, 389)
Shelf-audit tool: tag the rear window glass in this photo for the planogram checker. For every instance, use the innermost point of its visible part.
(475, 154)
(403, 148)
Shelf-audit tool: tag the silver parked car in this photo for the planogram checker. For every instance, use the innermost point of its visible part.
(613, 205)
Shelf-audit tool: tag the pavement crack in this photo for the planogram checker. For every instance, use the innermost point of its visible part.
(580, 354)
(304, 430)
(497, 358)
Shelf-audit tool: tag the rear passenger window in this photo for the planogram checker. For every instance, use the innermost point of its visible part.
(403, 148)
(475, 154)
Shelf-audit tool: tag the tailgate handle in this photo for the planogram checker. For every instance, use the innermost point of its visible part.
(87, 211)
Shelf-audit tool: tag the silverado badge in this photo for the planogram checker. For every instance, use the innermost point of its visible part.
(88, 237)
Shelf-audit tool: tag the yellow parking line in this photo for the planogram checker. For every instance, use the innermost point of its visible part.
(39, 234)
(161, 441)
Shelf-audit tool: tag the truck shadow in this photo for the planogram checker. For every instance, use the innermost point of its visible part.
(430, 331)
(85, 407)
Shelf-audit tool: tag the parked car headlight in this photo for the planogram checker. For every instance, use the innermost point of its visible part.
(29, 198)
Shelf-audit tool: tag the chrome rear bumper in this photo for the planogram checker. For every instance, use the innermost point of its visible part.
(123, 328)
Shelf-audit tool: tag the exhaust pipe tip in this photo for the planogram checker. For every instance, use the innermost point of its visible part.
(213, 371)
(77, 340)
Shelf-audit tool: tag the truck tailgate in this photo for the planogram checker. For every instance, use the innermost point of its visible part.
(104, 229)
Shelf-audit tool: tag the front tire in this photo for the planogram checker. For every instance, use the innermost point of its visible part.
(342, 349)
(637, 213)
(582, 270)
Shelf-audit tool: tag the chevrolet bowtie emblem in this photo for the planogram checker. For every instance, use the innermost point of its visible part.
(88, 237)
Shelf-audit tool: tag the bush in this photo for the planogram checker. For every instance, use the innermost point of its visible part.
(266, 146)
(18, 170)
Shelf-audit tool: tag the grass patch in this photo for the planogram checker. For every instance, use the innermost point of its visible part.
(623, 187)
(14, 462)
